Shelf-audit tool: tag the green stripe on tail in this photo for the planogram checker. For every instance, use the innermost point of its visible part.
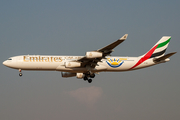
(164, 43)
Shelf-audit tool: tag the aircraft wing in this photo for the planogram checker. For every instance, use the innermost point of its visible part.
(92, 61)
(109, 48)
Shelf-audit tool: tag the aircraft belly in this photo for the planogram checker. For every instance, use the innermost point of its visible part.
(63, 68)
(81, 69)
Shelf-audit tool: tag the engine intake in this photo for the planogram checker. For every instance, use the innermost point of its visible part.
(68, 74)
(80, 75)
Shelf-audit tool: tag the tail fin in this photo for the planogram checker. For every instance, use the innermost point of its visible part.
(157, 51)
(159, 48)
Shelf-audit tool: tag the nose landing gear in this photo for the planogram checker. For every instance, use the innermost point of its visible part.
(20, 73)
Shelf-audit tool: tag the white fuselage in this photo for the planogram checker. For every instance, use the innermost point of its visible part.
(57, 63)
(93, 62)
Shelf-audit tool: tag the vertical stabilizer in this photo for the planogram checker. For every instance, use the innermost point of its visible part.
(159, 48)
(157, 51)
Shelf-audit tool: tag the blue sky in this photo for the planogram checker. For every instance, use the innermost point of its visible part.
(73, 28)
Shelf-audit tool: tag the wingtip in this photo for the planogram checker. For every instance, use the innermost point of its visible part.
(174, 52)
(124, 37)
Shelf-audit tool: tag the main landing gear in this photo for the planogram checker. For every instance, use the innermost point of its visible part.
(92, 75)
(20, 73)
(86, 78)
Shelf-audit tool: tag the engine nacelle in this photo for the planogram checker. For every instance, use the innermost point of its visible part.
(72, 64)
(68, 74)
(80, 75)
(94, 54)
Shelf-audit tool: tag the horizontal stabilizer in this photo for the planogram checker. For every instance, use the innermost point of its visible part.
(164, 57)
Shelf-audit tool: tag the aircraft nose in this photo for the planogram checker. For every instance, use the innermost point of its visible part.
(5, 63)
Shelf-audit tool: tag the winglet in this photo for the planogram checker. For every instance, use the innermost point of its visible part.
(124, 37)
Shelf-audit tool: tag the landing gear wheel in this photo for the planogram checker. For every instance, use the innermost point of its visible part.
(90, 80)
(85, 78)
(92, 75)
(20, 74)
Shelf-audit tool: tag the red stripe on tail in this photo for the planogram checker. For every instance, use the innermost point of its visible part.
(147, 56)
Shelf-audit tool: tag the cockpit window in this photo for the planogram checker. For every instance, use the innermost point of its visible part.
(9, 59)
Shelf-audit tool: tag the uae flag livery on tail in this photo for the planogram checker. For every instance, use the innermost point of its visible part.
(161, 47)
(157, 50)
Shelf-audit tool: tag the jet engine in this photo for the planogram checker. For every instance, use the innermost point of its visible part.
(80, 75)
(72, 64)
(68, 74)
(94, 54)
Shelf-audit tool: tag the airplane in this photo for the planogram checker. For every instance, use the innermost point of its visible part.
(85, 67)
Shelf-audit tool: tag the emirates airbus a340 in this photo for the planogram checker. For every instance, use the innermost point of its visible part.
(85, 67)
